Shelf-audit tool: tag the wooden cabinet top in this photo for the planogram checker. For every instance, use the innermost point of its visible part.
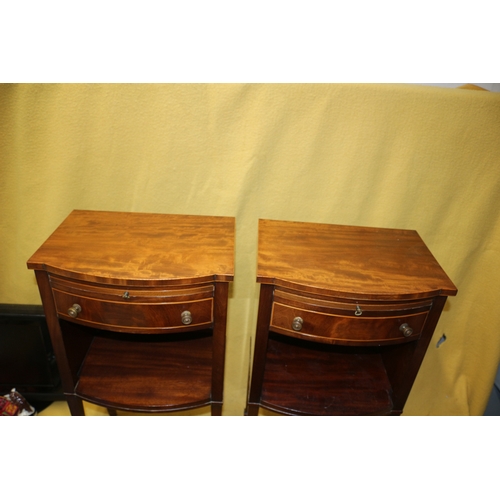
(349, 261)
(138, 248)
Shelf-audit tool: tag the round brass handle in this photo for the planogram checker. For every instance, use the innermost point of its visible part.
(186, 318)
(297, 323)
(358, 311)
(74, 310)
(407, 330)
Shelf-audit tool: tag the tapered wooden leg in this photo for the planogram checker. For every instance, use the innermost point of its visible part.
(260, 350)
(219, 346)
(216, 409)
(75, 406)
(112, 412)
(252, 410)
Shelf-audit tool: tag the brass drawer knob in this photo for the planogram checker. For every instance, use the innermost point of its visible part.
(74, 310)
(186, 318)
(406, 330)
(297, 323)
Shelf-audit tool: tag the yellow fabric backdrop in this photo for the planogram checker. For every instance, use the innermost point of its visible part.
(395, 156)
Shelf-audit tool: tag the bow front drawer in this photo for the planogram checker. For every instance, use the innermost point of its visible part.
(134, 309)
(348, 322)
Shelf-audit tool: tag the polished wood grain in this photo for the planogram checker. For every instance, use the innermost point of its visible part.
(133, 294)
(133, 277)
(161, 374)
(348, 322)
(127, 248)
(344, 330)
(304, 378)
(353, 290)
(136, 317)
(349, 261)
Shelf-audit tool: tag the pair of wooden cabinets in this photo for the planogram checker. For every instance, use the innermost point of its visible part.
(136, 306)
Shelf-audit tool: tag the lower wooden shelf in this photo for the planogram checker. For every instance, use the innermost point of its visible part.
(306, 378)
(154, 373)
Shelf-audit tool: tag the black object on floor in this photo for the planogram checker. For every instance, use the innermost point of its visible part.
(27, 360)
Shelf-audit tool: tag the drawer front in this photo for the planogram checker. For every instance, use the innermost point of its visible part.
(348, 324)
(134, 311)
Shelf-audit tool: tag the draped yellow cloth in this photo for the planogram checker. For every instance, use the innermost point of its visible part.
(398, 156)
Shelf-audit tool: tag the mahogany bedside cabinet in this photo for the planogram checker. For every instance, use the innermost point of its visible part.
(345, 317)
(136, 307)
